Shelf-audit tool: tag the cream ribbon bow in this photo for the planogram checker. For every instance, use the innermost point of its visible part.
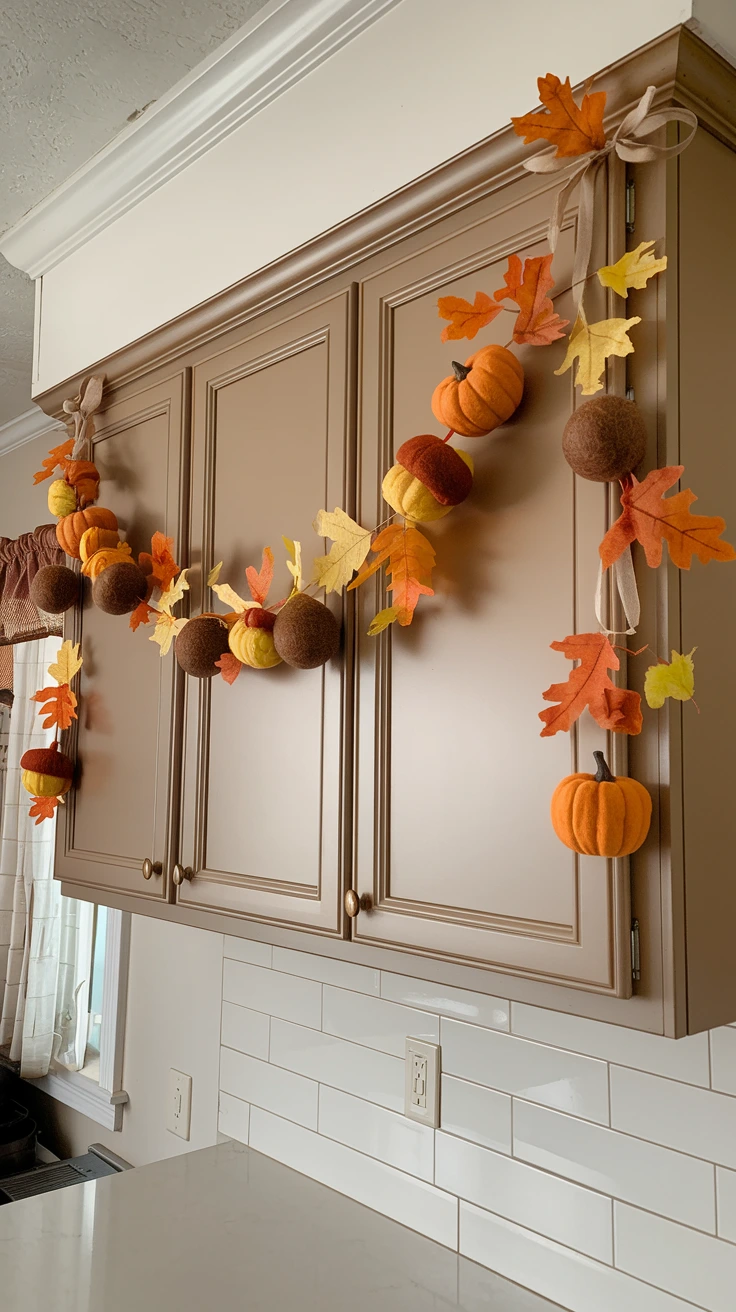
(626, 143)
(81, 409)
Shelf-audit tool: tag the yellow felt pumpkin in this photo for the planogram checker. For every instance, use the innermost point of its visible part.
(105, 557)
(480, 394)
(428, 479)
(600, 815)
(94, 539)
(71, 529)
(82, 475)
(253, 646)
(62, 498)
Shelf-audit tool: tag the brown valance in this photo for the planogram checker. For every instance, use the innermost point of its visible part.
(20, 560)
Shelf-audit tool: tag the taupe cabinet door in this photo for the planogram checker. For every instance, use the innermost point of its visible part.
(121, 814)
(264, 801)
(453, 844)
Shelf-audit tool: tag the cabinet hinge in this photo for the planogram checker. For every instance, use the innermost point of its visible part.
(635, 951)
(630, 208)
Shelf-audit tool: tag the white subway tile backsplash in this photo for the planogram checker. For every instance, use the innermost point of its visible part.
(413, 1202)
(247, 949)
(263, 1085)
(343, 974)
(476, 1113)
(530, 1070)
(679, 1116)
(374, 1130)
(245, 1030)
(642, 1173)
(672, 1257)
(372, 1075)
(375, 1023)
(286, 996)
(723, 1058)
(538, 1201)
(678, 1059)
(458, 1004)
(233, 1117)
(726, 1193)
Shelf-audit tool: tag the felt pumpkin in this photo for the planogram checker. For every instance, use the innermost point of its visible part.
(94, 539)
(253, 645)
(47, 772)
(105, 557)
(480, 394)
(82, 475)
(600, 815)
(62, 498)
(428, 479)
(71, 529)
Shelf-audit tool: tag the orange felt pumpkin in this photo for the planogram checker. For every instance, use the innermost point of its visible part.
(600, 815)
(106, 556)
(480, 394)
(71, 529)
(82, 475)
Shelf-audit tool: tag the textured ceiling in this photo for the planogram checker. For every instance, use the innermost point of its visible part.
(72, 75)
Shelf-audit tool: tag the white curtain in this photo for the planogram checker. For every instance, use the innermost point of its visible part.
(40, 1016)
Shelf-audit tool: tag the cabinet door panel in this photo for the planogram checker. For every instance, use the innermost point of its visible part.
(454, 847)
(264, 808)
(121, 813)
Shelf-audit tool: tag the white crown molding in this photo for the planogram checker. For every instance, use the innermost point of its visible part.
(23, 429)
(281, 44)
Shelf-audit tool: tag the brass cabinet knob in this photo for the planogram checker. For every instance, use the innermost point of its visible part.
(150, 867)
(180, 873)
(355, 903)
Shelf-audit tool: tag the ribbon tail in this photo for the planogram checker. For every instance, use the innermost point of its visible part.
(560, 205)
(584, 242)
(625, 582)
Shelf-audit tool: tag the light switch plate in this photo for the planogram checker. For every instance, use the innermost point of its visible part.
(179, 1115)
(422, 1096)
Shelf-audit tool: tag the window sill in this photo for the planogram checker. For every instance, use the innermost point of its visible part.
(80, 1093)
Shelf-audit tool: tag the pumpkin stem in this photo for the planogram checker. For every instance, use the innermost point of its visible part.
(452, 434)
(603, 774)
(460, 371)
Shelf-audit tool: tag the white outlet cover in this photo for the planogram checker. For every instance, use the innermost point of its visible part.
(422, 1089)
(179, 1100)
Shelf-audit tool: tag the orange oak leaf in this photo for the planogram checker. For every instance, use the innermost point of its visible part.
(229, 667)
(56, 459)
(537, 324)
(163, 566)
(409, 559)
(466, 319)
(259, 583)
(58, 706)
(141, 615)
(589, 684)
(43, 808)
(573, 129)
(651, 519)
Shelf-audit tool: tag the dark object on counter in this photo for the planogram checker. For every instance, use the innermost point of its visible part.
(17, 1138)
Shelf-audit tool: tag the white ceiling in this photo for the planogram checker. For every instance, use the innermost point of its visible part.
(72, 76)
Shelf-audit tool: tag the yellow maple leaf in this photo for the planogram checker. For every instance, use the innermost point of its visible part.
(68, 662)
(166, 630)
(229, 597)
(632, 270)
(591, 344)
(350, 546)
(172, 594)
(382, 620)
(294, 565)
(214, 574)
(676, 680)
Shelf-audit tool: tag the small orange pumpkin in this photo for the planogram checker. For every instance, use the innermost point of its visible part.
(71, 529)
(82, 475)
(480, 394)
(600, 815)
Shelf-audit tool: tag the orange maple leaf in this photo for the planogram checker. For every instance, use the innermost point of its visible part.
(43, 808)
(589, 685)
(259, 583)
(409, 559)
(537, 324)
(56, 459)
(58, 707)
(651, 519)
(573, 129)
(229, 666)
(466, 319)
(141, 615)
(163, 566)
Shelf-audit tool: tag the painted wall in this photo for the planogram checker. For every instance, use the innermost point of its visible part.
(22, 506)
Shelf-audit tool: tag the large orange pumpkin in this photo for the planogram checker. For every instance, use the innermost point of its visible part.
(72, 528)
(480, 394)
(82, 475)
(600, 815)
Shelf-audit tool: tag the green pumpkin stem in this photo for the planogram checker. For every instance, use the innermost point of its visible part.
(460, 371)
(603, 774)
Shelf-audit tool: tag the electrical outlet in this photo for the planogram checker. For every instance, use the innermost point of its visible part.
(179, 1115)
(422, 1098)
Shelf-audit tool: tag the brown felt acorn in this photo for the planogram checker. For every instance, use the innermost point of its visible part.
(605, 439)
(306, 633)
(47, 772)
(54, 589)
(428, 479)
(600, 815)
(202, 641)
(120, 588)
(481, 394)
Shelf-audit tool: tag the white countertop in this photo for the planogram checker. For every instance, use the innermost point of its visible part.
(227, 1228)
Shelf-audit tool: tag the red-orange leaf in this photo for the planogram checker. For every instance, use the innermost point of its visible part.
(56, 459)
(141, 615)
(43, 808)
(409, 559)
(229, 666)
(259, 583)
(466, 319)
(537, 324)
(589, 685)
(58, 706)
(163, 566)
(573, 129)
(651, 519)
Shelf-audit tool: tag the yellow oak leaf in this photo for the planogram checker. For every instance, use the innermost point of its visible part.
(172, 594)
(676, 680)
(166, 630)
(591, 344)
(350, 546)
(229, 597)
(382, 620)
(632, 270)
(214, 574)
(294, 565)
(68, 662)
